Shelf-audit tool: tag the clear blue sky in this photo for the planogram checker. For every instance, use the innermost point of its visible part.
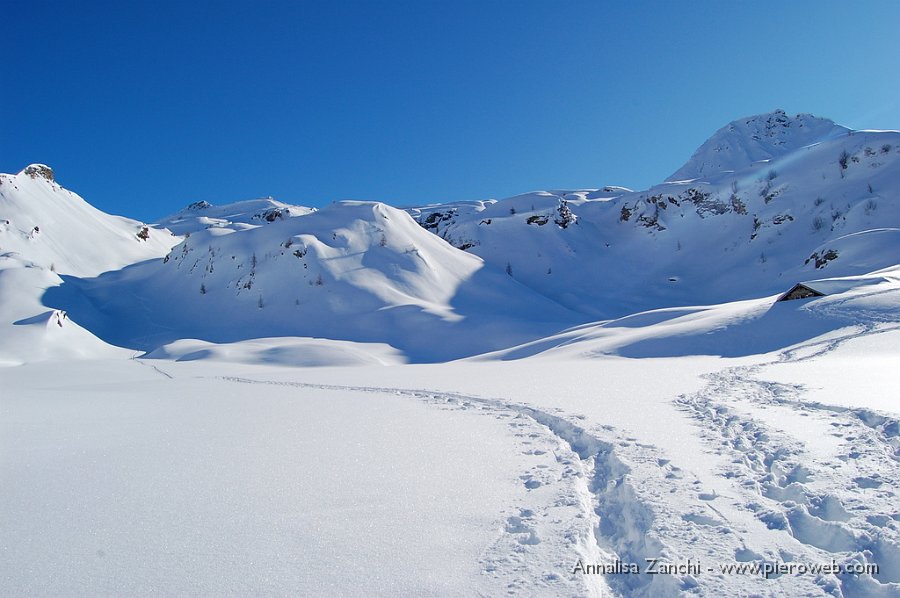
(143, 107)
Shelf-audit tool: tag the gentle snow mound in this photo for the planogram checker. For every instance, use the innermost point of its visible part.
(290, 351)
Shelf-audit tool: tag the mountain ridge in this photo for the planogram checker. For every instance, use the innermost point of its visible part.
(732, 235)
(481, 275)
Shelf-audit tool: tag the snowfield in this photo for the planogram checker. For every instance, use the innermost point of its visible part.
(470, 477)
(565, 393)
(151, 484)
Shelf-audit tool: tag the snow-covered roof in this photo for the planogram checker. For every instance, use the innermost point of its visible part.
(833, 286)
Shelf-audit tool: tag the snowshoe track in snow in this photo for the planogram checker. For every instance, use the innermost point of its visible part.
(587, 509)
(839, 507)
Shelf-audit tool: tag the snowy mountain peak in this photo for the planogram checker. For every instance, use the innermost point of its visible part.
(38, 171)
(753, 139)
(46, 226)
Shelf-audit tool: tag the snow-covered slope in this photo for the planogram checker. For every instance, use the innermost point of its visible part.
(32, 332)
(763, 137)
(353, 271)
(43, 224)
(239, 215)
(45, 232)
(821, 204)
(735, 329)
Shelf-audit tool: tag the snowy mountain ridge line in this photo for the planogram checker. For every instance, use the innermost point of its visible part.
(239, 215)
(353, 271)
(482, 275)
(750, 230)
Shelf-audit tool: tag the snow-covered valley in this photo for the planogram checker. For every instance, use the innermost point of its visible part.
(564, 393)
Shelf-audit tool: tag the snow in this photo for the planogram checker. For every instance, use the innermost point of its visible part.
(759, 138)
(234, 216)
(288, 490)
(854, 377)
(746, 231)
(30, 332)
(355, 271)
(477, 398)
(289, 351)
(43, 224)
